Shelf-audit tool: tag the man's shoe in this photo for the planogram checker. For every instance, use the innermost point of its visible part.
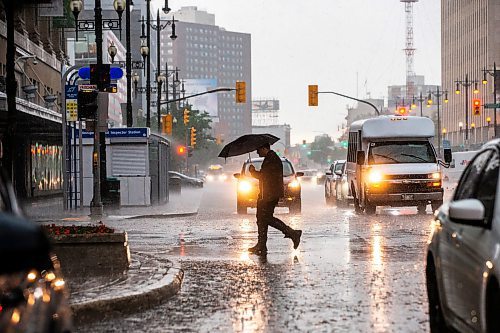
(257, 249)
(296, 238)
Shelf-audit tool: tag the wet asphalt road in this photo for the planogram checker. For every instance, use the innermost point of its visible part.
(351, 273)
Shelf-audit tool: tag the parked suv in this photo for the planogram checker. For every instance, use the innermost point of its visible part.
(463, 257)
(248, 187)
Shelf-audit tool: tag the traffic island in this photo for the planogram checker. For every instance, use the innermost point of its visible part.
(89, 250)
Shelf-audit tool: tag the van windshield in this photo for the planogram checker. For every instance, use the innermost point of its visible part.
(392, 152)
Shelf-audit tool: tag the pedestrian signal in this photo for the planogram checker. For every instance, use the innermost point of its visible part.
(476, 106)
(313, 95)
(241, 93)
(181, 150)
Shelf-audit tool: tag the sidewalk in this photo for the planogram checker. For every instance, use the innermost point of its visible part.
(151, 277)
(51, 210)
(150, 280)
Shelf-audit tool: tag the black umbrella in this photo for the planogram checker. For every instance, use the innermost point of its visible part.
(246, 144)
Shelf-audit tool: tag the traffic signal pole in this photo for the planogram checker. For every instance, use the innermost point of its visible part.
(345, 96)
(96, 210)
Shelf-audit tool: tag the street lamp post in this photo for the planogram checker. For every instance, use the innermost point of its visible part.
(438, 94)
(466, 83)
(128, 60)
(158, 28)
(419, 99)
(494, 74)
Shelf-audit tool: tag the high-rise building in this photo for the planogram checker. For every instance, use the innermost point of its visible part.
(209, 56)
(470, 41)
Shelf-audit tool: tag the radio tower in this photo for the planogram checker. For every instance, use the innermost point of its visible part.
(409, 49)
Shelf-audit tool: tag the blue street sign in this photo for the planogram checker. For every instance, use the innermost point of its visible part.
(71, 91)
(115, 73)
(129, 132)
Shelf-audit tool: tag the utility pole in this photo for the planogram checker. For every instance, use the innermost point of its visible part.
(96, 204)
(128, 64)
(10, 155)
(148, 65)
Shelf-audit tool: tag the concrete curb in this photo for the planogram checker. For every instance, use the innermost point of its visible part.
(154, 294)
(157, 216)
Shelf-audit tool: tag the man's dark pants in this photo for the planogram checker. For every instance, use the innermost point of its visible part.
(265, 218)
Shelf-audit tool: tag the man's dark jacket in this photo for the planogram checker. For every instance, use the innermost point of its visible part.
(270, 177)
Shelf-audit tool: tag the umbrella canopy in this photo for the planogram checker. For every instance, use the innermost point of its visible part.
(246, 144)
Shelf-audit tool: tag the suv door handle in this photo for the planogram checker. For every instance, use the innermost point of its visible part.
(456, 236)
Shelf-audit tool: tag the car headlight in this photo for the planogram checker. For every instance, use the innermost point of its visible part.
(222, 177)
(435, 175)
(294, 184)
(244, 186)
(319, 174)
(375, 177)
(210, 178)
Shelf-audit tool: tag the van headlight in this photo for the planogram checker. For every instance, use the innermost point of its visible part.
(375, 177)
(294, 184)
(435, 175)
(244, 186)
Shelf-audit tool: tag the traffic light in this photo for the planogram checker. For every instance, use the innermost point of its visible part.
(193, 137)
(166, 124)
(402, 110)
(241, 92)
(190, 151)
(186, 116)
(476, 106)
(101, 79)
(313, 95)
(87, 104)
(181, 150)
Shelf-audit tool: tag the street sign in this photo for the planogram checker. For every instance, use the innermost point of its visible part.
(71, 93)
(87, 87)
(492, 106)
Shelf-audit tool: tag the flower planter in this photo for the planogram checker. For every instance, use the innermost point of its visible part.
(97, 254)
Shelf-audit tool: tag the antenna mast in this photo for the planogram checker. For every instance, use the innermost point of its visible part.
(409, 49)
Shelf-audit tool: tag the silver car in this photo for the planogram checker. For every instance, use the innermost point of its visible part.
(463, 257)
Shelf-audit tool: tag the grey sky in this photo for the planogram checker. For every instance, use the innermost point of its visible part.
(326, 42)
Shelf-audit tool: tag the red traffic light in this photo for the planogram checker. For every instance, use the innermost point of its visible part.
(476, 106)
(181, 150)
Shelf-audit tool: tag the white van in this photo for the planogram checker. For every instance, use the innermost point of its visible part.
(392, 162)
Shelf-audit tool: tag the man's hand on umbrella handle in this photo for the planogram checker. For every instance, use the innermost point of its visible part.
(251, 168)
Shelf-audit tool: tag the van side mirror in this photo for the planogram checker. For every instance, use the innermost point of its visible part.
(360, 157)
(447, 155)
(299, 174)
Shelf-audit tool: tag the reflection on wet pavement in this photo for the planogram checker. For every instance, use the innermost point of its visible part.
(351, 273)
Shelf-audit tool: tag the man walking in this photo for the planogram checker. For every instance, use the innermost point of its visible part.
(271, 188)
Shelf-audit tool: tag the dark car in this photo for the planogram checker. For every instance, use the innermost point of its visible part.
(186, 180)
(248, 187)
(33, 294)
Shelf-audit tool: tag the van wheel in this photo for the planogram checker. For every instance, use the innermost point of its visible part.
(436, 204)
(357, 207)
(421, 208)
(370, 209)
(436, 317)
(241, 209)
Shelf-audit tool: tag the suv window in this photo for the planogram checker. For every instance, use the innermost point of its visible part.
(470, 178)
(487, 187)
